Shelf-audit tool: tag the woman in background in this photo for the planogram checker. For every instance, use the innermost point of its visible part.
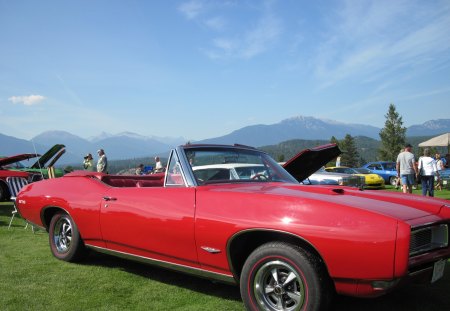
(427, 168)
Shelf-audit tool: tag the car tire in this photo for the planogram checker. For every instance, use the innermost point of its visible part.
(281, 276)
(4, 192)
(393, 181)
(65, 240)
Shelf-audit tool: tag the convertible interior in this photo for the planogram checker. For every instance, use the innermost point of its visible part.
(155, 180)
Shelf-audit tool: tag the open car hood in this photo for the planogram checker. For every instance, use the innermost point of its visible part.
(57, 150)
(20, 157)
(306, 162)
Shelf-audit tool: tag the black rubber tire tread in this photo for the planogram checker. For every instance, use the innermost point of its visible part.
(77, 250)
(320, 290)
(4, 192)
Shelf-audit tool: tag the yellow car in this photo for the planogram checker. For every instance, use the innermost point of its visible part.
(372, 181)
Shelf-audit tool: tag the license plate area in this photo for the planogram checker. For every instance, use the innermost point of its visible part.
(438, 270)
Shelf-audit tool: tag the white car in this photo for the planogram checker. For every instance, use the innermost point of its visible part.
(230, 171)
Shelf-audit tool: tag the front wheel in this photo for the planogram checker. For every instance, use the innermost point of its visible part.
(65, 240)
(279, 276)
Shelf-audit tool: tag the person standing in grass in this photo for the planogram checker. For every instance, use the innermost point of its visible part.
(406, 169)
(427, 166)
(439, 167)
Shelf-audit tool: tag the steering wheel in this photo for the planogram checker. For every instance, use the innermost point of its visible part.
(260, 176)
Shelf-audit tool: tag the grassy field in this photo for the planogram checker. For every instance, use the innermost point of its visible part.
(32, 279)
(443, 194)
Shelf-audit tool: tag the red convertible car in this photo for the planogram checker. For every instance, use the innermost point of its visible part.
(233, 214)
(5, 173)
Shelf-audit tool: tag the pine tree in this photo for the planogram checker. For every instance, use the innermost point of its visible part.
(392, 135)
(350, 153)
(334, 140)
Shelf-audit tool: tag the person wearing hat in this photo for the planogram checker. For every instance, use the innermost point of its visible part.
(88, 163)
(406, 169)
(102, 163)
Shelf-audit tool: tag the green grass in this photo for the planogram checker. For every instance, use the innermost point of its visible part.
(443, 194)
(32, 279)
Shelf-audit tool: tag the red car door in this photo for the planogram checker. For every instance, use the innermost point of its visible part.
(153, 222)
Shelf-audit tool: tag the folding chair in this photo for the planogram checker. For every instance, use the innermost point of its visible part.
(14, 185)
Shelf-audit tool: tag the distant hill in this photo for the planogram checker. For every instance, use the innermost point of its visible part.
(10, 145)
(300, 127)
(432, 127)
(367, 148)
(289, 136)
(121, 146)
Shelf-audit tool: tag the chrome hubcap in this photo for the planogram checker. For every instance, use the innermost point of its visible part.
(277, 286)
(62, 235)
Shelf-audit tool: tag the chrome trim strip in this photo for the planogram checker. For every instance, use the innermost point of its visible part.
(168, 265)
(211, 250)
(427, 269)
(186, 169)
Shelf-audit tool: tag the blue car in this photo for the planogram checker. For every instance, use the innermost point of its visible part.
(385, 169)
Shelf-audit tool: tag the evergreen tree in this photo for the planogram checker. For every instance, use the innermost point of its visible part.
(334, 140)
(350, 155)
(392, 135)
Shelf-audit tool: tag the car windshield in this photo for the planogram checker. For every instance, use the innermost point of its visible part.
(363, 170)
(345, 170)
(389, 166)
(222, 164)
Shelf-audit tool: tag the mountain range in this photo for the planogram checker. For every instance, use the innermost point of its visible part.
(129, 145)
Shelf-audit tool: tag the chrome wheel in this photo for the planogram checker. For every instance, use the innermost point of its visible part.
(62, 235)
(278, 286)
(393, 181)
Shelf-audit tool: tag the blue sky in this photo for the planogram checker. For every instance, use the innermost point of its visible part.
(202, 69)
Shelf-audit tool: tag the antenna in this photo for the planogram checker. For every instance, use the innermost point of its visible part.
(39, 163)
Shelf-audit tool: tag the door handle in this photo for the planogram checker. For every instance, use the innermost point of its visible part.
(109, 198)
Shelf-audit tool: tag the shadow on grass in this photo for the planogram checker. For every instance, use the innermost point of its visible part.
(413, 297)
(165, 276)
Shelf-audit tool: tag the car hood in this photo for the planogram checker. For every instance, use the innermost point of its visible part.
(391, 204)
(57, 150)
(308, 161)
(20, 157)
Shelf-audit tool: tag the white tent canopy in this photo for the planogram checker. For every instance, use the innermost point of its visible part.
(438, 141)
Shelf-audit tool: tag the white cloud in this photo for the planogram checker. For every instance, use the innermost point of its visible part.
(373, 40)
(191, 9)
(26, 100)
(250, 42)
(217, 23)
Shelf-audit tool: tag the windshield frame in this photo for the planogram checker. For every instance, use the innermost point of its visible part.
(275, 171)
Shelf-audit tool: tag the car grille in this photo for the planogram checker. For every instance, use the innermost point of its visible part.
(427, 239)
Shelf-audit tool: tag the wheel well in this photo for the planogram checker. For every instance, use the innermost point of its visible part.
(48, 215)
(245, 243)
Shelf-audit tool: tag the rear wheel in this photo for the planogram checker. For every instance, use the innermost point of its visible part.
(279, 276)
(393, 181)
(4, 192)
(65, 240)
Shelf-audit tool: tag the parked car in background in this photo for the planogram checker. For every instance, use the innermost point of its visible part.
(371, 180)
(288, 246)
(385, 169)
(445, 178)
(299, 166)
(40, 167)
(5, 172)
